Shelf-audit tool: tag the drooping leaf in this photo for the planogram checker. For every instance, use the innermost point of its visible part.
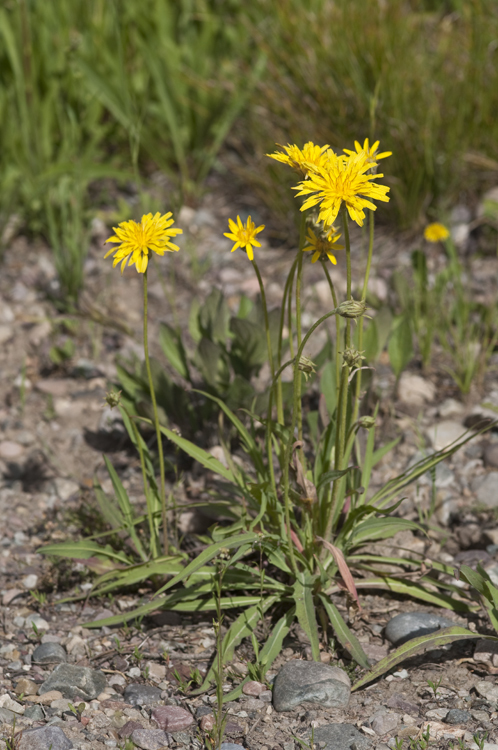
(416, 646)
(305, 611)
(344, 635)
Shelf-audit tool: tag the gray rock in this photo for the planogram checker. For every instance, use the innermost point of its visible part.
(7, 716)
(486, 489)
(384, 722)
(457, 716)
(491, 455)
(230, 746)
(49, 653)
(340, 737)
(35, 713)
(75, 682)
(444, 433)
(312, 682)
(141, 695)
(410, 625)
(45, 738)
(150, 739)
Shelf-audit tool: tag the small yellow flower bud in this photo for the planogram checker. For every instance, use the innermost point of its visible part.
(352, 308)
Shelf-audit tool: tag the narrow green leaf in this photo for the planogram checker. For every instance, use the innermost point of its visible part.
(207, 555)
(83, 550)
(305, 611)
(345, 636)
(206, 459)
(400, 346)
(174, 351)
(374, 529)
(416, 646)
(125, 507)
(414, 591)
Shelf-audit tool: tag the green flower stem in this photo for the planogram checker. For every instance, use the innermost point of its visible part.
(298, 377)
(337, 330)
(280, 408)
(288, 447)
(156, 424)
(150, 518)
(360, 322)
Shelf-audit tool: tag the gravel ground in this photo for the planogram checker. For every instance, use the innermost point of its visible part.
(52, 435)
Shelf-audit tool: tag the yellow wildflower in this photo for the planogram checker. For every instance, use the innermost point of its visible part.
(244, 235)
(301, 160)
(436, 232)
(138, 240)
(323, 245)
(370, 151)
(343, 179)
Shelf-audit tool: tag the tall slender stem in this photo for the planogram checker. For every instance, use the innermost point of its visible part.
(298, 376)
(280, 409)
(360, 321)
(156, 424)
(337, 330)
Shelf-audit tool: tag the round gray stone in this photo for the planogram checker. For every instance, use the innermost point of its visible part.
(408, 625)
(311, 682)
(340, 737)
(141, 695)
(7, 716)
(457, 716)
(230, 746)
(75, 682)
(45, 738)
(49, 653)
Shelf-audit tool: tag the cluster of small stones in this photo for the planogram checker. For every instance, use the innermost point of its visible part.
(48, 699)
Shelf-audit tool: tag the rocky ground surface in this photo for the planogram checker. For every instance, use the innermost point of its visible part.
(63, 685)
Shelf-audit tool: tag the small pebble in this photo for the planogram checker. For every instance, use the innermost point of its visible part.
(408, 625)
(150, 739)
(172, 718)
(49, 653)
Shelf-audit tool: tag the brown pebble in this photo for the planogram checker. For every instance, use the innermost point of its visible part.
(26, 687)
(128, 728)
(207, 723)
(172, 718)
(46, 699)
(253, 688)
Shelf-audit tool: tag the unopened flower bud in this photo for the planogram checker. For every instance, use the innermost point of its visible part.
(366, 422)
(352, 308)
(352, 357)
(306, 366)
(113, 398)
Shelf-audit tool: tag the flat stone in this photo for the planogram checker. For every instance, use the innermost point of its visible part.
(172, 718)
(45, 738)
(486, 489)
(66, 488)
(488, 691)
(399, 701)
(311, 682)
(7, 716)
(54, 386)
(45, 699)
(445, 433)
(410, 625)
(340, 737)
(128, 728)
(6, 333)
(30, 581)
(230, 746)
(457, 716)
(490, 455)
(150, 739)
(10, 595)
(36, 620)
(11, 705)
(9, 449)
(26, 687)
(49, 653)
(253, 688)
(75, 682)
(207, 723)
(384, 722)
(35, 713)
(141, 695)
(415, 390)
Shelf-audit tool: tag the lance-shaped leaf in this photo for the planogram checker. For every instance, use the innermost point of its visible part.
(305, 610)
(416, 646)
(344, 635)
(343, 569)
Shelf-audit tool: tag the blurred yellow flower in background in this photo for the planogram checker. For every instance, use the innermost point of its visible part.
(323, 245)
(244, 235)
(342, 179)
(301, 160)
(436, 232)
(136, 241)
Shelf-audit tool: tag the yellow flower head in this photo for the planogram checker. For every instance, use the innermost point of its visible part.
(370, 151)
(301, 160)
(244, 235)
(323, 245)
(342, 179)
(137, 240)
(436, 232)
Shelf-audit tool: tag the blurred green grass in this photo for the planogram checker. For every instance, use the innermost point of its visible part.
(94, 88)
